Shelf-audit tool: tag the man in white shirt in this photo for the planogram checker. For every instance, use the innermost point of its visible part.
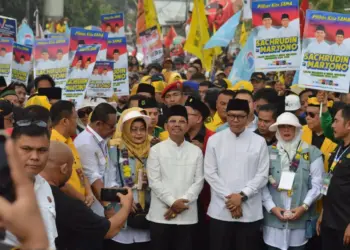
(32, 141)
(120, 61)
(92, 146)
(286, 30)
(61, 60)
(77, 71)
(88, 68)
(5, 58)
(22, 65)
(267, 32)
(339, 48)
(44, 62)
(175, 174)
(319, 46)
(236, 167)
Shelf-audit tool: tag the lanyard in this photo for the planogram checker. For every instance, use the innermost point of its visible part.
(294, 164)
(337, 158)
(104, 150)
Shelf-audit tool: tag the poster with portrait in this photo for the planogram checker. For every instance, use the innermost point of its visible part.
(21, 63)
(8, 27)
(101, 80)
(277, 35)
(117, 52)
(80, 36)
(79, 73)
(152, 46)
(51, 58)
(326, 52)
(6, 55)
(113, 24)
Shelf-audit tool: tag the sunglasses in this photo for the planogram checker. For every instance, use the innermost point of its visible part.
(85, 112)
(312, 115)
(27, 123)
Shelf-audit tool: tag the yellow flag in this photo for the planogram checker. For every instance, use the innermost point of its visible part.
(198, 35)
(146, 17)
(244, 36)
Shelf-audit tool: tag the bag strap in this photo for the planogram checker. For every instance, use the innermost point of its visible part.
(118, 167)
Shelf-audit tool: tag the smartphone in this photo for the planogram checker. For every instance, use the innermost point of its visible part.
(6, 184)
(109, 194)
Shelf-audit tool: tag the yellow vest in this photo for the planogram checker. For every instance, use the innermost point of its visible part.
(214, 123)
(74, 181)
(327, 148)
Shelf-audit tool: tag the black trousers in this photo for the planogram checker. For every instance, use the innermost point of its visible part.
(112, 245)
(333, 239)
(234, 235)
(171, 237)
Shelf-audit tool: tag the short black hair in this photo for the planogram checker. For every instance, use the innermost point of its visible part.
(228, 92)
(61, 109)
(270, 108)
(211, 97)
(37, 113)
(198, 61)
(42, 78)
(205, 84)
(269, 95)
(19, 85)
(136, 98)
(345, 112)
(102, 112)
(198, 77)
(245, 92)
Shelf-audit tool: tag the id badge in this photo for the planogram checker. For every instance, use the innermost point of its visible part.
(325, 183)
(287, 180)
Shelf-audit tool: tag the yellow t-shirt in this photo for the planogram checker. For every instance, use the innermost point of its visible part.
(75, 181)
(214, 123)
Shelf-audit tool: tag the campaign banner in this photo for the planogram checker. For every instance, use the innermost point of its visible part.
(51, 58)
(21, 63)
(56, 35)
(326, 52)
(79, 73)
(113, 24)
(8, 27)
(101, 80)
(6, 55)
(117, 52)
(80, 36)
(277, 35)
(152, 46)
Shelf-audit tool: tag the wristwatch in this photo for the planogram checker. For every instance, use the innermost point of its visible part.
(306, 207)
(244, 197)
(108, 207)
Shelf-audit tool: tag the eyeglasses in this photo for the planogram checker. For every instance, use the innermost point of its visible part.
(238, 117)
(83, 113)
(311, 114)
(27, 123)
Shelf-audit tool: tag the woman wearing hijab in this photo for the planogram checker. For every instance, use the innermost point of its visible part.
(129, 151)
(295, 182)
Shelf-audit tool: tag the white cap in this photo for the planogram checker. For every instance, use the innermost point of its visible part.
(292, 103)
(286, 118)
(135, 114)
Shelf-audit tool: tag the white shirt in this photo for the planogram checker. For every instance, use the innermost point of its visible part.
(174, 172)
(122, 62)
(46, 204)
(236, 164)
(341, 49)
(316, 47)
(77, 73)
(285, 238)
(287, 32)
(253, 125)
(7, 59)
(21, 67)
(102, 55)
(267, 33)
(64, 63)
(43, 65)
(95, 162)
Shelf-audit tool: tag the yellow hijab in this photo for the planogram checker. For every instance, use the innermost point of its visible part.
(122, 139)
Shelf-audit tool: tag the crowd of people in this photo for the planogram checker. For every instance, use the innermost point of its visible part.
(262, 164)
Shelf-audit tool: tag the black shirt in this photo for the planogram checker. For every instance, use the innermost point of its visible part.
(78, 227)
(199, 137)
(269, 143)
(317, 140)
(336, 205)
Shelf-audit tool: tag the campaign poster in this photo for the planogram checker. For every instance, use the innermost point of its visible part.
(80, 36)
(117, 52)
(51, 58)
(101, 80)
(79, 73)
(8, 27)
(113, 24)
(277, 35)
(152, 46)
(326, 52)
(21, 63)
(56, 35)
(6, 55)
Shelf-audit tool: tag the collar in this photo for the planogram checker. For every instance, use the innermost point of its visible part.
(217, 120)
(39, 181)
(174, 144)
(254, 122)
(93, 133)
(55, 135)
